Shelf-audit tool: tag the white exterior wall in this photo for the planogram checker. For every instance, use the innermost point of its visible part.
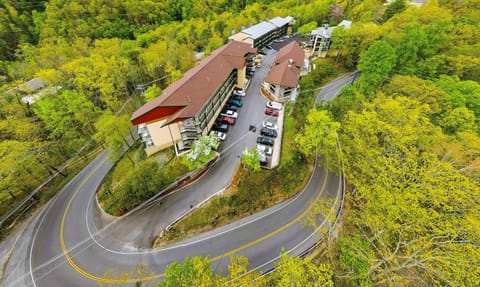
(277, 92)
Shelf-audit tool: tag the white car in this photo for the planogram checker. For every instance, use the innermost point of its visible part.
(220, 135)
(274, 105)
(264, 149)
(269, 125)
(262, 158)
(230, 114)
(240, 93)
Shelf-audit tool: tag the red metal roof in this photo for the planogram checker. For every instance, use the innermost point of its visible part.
(291, 51)
(184, 98)
(283, 74)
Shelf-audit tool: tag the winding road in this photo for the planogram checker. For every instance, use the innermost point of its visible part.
(69, 244)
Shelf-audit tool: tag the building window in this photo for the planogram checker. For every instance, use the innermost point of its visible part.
(272, 88)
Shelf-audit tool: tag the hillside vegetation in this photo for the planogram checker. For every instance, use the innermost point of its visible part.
(408, 128)
(96, 57)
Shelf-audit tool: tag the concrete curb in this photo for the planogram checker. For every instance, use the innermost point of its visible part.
(171, 188)
(185, 214)
(104, 214)
(277, 149)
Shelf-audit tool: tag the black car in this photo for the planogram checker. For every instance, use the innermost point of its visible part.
(268, 132)
(265, 141)
(263, 162)
(232, 108)
(220, 127)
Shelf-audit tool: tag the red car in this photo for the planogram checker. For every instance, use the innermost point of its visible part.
(228, 120)
(271, 112)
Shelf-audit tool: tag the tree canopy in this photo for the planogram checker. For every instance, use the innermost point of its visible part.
(408, 128)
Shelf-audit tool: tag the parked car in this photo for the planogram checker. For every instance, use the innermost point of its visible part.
(240, 93)
(262, 158)
(270, 125)
(266, 149)
(274, 105)
(220, 135)
(235, 102)
(271, 112)
(228, 120)
(230, 114)
(220, 127)
(231, 107)
(268, 132)
(265, 141)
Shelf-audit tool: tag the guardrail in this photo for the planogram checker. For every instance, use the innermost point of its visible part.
(29, 197)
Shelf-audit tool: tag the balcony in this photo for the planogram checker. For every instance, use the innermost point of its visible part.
(186, 129)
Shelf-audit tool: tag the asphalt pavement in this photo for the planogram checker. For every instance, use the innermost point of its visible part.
(67, 246)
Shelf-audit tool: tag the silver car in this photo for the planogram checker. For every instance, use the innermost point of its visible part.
(220, 135)
(269, 125)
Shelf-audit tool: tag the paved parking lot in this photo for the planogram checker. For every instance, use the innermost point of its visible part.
(239, 137)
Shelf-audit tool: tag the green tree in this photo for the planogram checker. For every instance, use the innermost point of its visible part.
(412, 42)
(17, 124)
(194, 271)
(410, 210)
(201, 151)
(355, 258)
(319, 135)
(250, 159)
(417, 89)
(298, 272)
(152, 92)
(114, 131)
(459, 120)
(16, 26)
(140, 184)
(463, 153)
(69, 116)
(102, 76)
(358, 39)
(349, 99)
(393, 8)
(307, 28)
(240, 276)
(376, 64)
(461, 93)
(23, 166)
(339, 37)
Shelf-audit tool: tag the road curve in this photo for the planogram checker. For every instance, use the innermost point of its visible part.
(68, 247)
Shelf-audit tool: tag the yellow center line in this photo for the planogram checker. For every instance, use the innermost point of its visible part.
(159, 275)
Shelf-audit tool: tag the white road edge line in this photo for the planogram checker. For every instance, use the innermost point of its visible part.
(274, 210)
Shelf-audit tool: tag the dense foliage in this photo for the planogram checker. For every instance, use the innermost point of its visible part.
(408, 132)
(408, 129)
(136, 179)
(290, 272)
(96, 57)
